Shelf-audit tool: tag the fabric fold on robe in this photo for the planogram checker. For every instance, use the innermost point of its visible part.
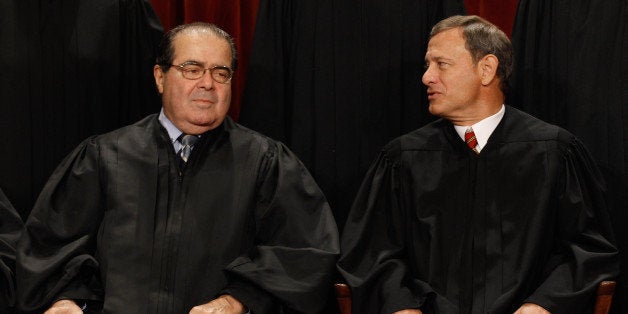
(437, 227)
(10, 231)
(118, 225)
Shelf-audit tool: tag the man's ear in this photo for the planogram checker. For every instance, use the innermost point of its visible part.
(158, 73)
(488, 68)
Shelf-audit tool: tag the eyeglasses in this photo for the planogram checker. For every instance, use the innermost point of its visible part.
(219, 73)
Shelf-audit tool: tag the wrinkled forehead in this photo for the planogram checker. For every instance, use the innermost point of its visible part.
(201, 42)
(452, 36)
(450, 43)
(197, 36)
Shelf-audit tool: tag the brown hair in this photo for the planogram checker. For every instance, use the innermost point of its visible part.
(482, 38)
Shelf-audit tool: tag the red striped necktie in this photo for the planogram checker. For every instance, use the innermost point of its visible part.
(469, 138)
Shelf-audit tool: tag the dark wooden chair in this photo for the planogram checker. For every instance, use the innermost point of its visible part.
(603, 297)
(343, 295)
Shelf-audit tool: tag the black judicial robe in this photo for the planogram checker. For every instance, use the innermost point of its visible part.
(117, 224)
(438, 227)
(10, 230)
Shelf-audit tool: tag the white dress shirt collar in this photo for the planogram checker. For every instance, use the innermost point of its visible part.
(173, 131)
(482, 129)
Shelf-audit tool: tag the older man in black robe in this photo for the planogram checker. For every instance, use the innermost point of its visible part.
(185, 211)
(487, 210)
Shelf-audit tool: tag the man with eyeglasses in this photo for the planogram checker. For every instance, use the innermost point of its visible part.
(184, 211)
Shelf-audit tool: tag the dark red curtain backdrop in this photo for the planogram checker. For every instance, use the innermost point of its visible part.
(236, 17)
(499, 12)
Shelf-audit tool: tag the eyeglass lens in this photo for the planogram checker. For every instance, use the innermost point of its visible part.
(194, 72)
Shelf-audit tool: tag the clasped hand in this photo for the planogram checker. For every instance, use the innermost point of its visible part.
(526, 308)
(225, 304)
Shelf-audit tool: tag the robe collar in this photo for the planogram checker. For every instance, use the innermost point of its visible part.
(482, 129)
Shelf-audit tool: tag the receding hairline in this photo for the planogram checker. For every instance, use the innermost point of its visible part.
(198, 36)
(463, 22)
(200, 30)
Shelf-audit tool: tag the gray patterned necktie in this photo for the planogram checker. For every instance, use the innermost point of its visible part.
(187, 141)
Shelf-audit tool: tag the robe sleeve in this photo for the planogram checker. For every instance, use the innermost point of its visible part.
(10, 230)
(373, 247)
(56, 253)
(296, 241)
(584, 253)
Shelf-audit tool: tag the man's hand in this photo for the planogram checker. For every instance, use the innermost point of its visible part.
(225, 304)
(409, 311)
(531, 308)
(64, 307)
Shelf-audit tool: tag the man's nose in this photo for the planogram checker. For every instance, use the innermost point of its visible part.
(206, 81)
(428, 77)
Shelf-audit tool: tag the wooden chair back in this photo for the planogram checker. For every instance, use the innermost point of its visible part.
(603, 298)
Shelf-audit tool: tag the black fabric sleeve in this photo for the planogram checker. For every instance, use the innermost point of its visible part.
(372, 260)
(296, 241)
(254, 298)
(585, 254)
(10, 230)
(61, 231)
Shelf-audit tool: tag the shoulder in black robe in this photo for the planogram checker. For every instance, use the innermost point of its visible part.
(10, 230)
(438, 227)
(118, 225)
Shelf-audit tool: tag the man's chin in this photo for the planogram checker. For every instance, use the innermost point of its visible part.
(209, 123)
(198, 126)
(433, 109)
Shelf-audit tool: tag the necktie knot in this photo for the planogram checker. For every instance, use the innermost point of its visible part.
(469, 138)
(187, 141)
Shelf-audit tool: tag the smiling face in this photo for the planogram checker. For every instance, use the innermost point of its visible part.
(452, 77)
(195, 106)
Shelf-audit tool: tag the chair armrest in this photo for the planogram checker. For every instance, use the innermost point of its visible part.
(604, 297)
(343, 295)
